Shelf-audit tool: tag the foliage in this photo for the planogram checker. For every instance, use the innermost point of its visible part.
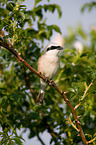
(76, 76)
(89, 6)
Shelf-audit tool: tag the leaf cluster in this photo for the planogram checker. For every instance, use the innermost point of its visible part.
(88, 6)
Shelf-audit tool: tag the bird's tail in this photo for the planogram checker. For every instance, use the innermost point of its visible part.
(41, 93)
(40, 98)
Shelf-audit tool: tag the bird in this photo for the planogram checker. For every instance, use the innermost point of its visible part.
(48, 65)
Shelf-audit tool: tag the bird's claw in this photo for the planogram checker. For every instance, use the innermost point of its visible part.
(46, 80)
(50, 82)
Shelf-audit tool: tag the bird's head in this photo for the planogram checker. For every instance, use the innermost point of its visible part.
(52, 49)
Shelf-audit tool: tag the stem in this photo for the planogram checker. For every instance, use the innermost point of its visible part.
(28, 85)
(85, 93)
(48, 126)
(39, 138)
(54, 85)
(92, 140)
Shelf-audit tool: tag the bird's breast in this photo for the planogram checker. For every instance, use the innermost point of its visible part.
(48, 66)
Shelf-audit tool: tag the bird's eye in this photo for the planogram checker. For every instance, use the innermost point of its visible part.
(48, 48)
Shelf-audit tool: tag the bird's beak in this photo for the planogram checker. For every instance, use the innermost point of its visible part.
(60, 48)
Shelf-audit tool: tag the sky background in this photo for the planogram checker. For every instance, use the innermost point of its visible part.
(71, 16)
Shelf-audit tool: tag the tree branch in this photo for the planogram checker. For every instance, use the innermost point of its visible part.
(48, 126)
(28, 85)
(85, 94)
(44, 119)
(54, 85)
(39, 138)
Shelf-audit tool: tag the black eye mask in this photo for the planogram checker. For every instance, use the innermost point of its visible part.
(54, 47)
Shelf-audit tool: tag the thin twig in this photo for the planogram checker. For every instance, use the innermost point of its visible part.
(48, 126)
(92, 140)
(85, 94)
(39, 138)
(74, 126)
(28, 85)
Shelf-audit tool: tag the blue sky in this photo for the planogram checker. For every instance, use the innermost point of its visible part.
(71, 16)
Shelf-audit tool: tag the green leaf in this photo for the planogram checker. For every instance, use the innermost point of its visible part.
(18, 141)
(89, 6)
(22, 6)
(10, 6)
(52, 8)
(37, 1)
(83, 7)
(84, 54)
(56, 28)
(59, 10)
(37, 11)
